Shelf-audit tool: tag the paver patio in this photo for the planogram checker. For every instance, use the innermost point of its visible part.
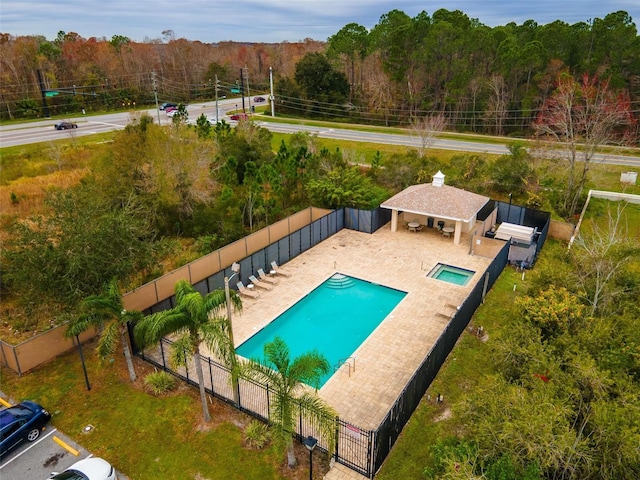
(388, 358)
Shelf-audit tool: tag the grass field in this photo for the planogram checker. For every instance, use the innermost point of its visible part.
(148, 437)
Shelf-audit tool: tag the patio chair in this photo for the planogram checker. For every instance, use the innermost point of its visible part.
(275, 268)
(260, 283)
(440, 225)
(244, 291)
(266, 278)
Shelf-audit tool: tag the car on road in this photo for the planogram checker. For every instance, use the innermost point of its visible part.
(167, 105)
(64, 125)
(91, 468)
(21, 423)
(259, 99)
(239, 116)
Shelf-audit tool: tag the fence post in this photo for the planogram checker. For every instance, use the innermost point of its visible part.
(335, 453)
(371, 461)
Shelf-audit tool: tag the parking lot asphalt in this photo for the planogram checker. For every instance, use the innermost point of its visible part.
(53, 451)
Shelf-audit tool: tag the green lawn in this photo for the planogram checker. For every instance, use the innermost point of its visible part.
(147, 437)
(466, 364)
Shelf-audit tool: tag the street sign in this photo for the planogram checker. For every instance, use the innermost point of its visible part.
(51, 94)
(235, 90)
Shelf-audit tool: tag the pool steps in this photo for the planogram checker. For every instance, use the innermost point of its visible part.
(338, 280)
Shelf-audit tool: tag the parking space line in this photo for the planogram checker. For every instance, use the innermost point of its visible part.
(66, 446)
(29, 448)
(4, 402)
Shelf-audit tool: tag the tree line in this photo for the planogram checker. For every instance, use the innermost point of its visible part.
(484, 79)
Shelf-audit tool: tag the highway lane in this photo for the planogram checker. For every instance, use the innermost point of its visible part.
(43, 131)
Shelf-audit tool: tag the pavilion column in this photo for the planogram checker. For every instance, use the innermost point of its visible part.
(458, 233)
(394, 220)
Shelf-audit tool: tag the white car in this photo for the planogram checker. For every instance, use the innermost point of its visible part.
(92, 468)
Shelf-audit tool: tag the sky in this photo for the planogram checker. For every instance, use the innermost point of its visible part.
(269, 21)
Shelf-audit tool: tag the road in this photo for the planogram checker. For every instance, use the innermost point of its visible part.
(43, 131)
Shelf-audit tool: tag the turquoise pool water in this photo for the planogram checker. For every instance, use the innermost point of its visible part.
(451, 274)
(334, 319)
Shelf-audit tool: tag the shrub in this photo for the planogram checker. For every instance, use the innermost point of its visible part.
(159, 382)
(256, 434)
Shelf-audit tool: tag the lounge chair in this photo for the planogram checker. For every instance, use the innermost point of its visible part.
(246, 292)
(260, 283)
(266, 278)
(278, 270)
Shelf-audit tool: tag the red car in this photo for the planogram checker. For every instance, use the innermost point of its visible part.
(239, 116)
(259, 99)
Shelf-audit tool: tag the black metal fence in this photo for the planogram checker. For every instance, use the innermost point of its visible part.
(361, 450)
(352, 447)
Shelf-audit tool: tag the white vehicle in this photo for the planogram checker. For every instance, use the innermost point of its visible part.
(92, 468)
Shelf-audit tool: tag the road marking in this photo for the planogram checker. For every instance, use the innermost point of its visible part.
(4, 402)
(66, 446)
(29, 448)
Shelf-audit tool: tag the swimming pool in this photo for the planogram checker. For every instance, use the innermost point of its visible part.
(451, 274)
(334, 319)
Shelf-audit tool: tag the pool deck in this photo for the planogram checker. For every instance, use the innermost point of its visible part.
(385, 362)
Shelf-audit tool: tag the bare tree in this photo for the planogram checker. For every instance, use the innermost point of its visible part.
(601, 254)
(427, 129)
(497, 105)
(583, 116)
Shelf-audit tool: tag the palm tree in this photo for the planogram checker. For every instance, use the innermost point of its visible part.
(291, 396)
(106, 312)
(195, 319)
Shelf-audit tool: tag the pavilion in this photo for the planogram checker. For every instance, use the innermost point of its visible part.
(432, 203)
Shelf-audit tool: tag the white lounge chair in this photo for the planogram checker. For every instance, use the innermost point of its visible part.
(278, 270)
(246, 292)
(266, 278)
(260, 283)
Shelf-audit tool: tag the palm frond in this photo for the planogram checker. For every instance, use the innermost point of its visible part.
(194, 303)
(152, 328)
(182, 288)
(277, 353)
(216, 301)
(321, 414)
(101, 303)
(309, 368)
(83, 323)
(109, 301)
(181, 351)
(131, 316)
(259, 372)
(108, 340)
(215, 335)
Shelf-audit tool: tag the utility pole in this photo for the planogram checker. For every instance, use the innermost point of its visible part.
(242, 88)
(45, 107)
(272, 98)
(217, 87)
(155, 94)
(248, 91)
